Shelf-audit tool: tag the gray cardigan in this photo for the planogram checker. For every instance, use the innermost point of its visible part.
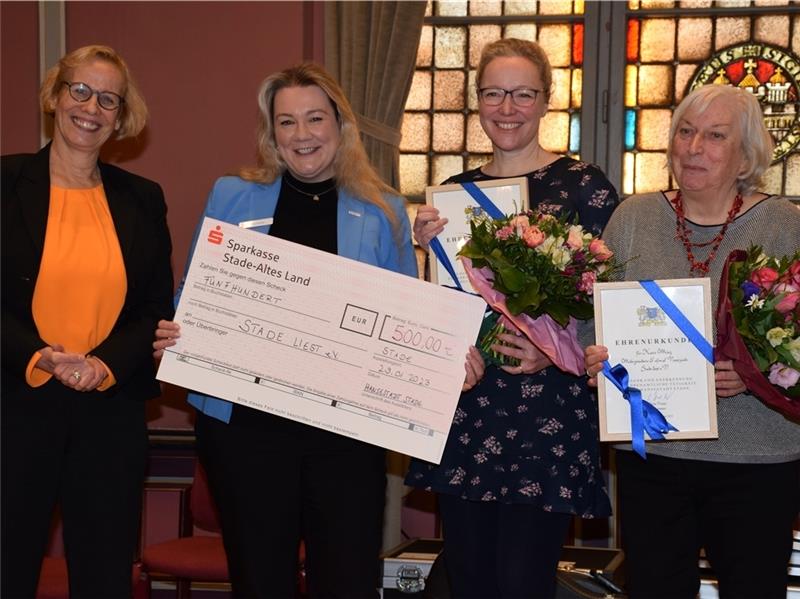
(642, 232)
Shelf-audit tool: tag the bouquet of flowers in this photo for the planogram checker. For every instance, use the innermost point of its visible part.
(758, 325)
(537, 273)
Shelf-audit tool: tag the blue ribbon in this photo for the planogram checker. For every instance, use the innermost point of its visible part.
(488, 206)
(482, 199)
(441, 255)
(675, 314)
(645, 417)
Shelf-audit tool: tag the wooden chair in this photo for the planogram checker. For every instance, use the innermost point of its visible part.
(190, 557)
(194, 557)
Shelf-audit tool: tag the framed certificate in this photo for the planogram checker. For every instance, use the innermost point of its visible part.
(662, 363)
(458, 207)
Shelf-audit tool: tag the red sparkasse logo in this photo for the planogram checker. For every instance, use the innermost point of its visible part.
(215, 235)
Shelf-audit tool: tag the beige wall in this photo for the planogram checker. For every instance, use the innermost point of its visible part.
(199, 65)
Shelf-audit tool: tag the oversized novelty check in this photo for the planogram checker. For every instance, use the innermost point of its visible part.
(323, 340)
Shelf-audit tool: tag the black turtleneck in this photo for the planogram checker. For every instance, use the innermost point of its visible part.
(301, 219)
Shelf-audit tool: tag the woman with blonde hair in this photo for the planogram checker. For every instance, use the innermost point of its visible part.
(86, 276)
(522, 455)
(277, 481)
(351, 166)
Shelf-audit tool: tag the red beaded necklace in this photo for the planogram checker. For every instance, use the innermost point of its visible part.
(684, 234)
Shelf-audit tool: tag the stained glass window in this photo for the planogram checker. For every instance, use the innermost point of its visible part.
(734, 42)
(442, 135)
(667, 44)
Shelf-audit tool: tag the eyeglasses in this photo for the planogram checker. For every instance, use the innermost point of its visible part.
(80, 92)
(494, 96)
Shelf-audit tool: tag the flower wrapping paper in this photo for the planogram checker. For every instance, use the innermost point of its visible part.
(559, 344)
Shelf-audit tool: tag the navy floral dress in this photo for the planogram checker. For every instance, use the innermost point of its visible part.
(531, 438)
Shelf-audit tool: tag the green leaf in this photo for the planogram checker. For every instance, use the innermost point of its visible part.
(472, 251)
(559, 312)
(527, 299)
(791, 391)
(511, 278)
(582, 311)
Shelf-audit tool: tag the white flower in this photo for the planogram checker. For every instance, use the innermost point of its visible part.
(550, 242)
(776, 335)
(560, 257)
(754, 303)
(761, 260)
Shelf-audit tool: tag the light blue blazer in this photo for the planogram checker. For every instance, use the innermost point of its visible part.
(363, 233)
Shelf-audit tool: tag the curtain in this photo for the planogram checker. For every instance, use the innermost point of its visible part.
(371, 49)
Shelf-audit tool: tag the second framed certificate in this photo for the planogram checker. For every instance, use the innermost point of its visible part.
(458, 207)
(662, 363)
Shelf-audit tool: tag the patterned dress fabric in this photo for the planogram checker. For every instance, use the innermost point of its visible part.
(531, 438)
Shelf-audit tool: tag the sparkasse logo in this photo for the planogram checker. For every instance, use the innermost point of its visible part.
(215, 235)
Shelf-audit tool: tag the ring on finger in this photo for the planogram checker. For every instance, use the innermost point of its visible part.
(76, 375)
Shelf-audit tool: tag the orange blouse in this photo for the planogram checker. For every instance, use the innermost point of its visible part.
(81, 285)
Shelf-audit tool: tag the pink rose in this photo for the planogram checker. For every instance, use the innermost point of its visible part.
(764, 277)
(600, 250)
(783, 376)
(533, 236)
(575, 237)
(790, 298)
(792, 276)
(586, 283)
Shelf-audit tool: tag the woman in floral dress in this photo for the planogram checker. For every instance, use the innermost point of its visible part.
(522, 456)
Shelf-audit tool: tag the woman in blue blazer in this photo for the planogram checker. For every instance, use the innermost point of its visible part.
(277, 481)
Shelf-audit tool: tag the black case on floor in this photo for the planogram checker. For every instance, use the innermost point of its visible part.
(590, 573)
(416, 568)
(405, 568)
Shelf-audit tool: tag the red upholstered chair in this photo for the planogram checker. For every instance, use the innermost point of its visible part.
(191, 557)
(200, 558)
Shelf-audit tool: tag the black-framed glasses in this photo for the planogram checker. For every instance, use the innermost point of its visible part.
(522, 96)
(80, 92)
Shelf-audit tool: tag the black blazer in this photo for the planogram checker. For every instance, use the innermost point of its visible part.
(139, 213)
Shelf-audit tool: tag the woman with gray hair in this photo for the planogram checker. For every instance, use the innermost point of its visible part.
(735, 496)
